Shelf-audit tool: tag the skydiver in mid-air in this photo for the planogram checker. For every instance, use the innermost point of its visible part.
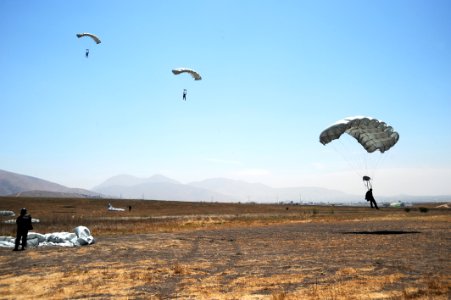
(87, 53)
(184, 94)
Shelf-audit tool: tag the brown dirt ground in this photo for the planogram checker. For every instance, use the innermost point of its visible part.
(394, 256)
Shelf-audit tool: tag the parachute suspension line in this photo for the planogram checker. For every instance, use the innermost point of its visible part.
(361, 163)
(372, 163)
(343, 150)
(379, 162)
(367, 184)
(362, 158)
(367, 164)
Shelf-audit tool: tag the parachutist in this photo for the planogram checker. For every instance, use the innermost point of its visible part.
(92, 36)
(184, 94)
(372, 134)
(23, 225)
(369, 197)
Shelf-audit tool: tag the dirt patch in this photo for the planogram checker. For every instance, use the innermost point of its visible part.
(304, 260)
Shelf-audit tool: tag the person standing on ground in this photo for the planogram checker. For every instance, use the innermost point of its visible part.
(23, 225)
(369, 197)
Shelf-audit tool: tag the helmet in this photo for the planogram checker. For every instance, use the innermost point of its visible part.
(23, 211)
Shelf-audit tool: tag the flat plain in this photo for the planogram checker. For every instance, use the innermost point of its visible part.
(182, 250)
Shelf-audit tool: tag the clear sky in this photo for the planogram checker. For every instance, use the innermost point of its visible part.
(275, 74)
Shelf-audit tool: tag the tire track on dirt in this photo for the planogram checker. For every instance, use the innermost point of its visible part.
(223, 252)
(168, 290)
(228, 270)
(211, 256)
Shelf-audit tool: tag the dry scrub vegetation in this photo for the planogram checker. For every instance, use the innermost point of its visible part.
(176, 250)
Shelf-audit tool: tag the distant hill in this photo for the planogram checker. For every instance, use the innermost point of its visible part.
(47, 194)
(13, 184)
(235, 188)
(257, 192)
(157, 187)
(129, 181)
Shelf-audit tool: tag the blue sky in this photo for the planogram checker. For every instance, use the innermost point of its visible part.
(275, 74)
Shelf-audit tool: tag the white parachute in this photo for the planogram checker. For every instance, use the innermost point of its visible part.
(92, 36)
(111, 208)
(372, 134)
(193, 73)
(7, 213)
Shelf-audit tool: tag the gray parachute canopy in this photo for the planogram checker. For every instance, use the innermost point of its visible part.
(372, 134)
(93, 36)
(193, 73)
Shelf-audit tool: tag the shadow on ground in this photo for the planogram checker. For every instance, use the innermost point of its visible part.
(382, 232)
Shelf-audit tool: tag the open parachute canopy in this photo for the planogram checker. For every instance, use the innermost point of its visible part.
(372, 134)
(93, 36)
(193, 73)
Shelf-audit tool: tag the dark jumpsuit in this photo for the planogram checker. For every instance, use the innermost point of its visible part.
(23, 225)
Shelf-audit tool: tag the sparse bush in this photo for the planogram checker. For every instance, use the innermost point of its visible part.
(423, 209)
(407, 209)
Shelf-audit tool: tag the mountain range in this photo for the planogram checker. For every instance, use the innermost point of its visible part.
(156, 187)
(13, 184)
(159, 187)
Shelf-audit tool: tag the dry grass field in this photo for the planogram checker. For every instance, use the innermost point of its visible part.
(176, 250)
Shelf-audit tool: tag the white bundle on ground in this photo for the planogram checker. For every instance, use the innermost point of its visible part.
(7, 213)
(13, 221)
(80, 237)
(111, 208)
